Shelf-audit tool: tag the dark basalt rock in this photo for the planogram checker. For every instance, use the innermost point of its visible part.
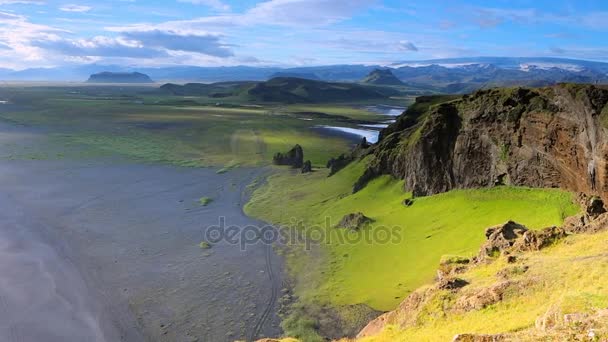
(307, 168)
(595, 207)
(408, 202)
(293, 158)
(336, 164)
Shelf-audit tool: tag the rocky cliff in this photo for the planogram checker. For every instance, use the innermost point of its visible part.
(546, 137)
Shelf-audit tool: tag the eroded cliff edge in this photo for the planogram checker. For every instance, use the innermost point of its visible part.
(545, 137)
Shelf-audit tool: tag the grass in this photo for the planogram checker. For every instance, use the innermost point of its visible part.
(569, 277)
(604, 116)
(380, 273)
(205, 201)
(106, 122)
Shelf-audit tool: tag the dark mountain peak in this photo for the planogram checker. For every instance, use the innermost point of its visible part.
(383, 77)
(119, 77)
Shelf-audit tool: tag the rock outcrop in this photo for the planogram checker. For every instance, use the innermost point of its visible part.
(513, 237)
(354, 221)
(359, 151)
(293, 158)
(506, 240)
(545, 137)
(307, 168)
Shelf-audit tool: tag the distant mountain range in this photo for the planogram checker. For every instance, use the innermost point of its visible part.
(455, 75)
(382, 77)
(119, 77)
(282, 90)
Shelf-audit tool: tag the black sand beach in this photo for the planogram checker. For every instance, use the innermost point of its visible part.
(109, 250)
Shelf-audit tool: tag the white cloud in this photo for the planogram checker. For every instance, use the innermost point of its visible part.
(22, 2)
(290, 13)
(75, 8)
(215, 4)
(16, 34)
(99, 46)
(205, 43)
(305, 12)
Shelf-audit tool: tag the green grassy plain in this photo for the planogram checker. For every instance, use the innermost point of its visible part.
(380, 273)
(150, 127)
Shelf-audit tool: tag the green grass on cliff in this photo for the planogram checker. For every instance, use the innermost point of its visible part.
(354, 269)
(568, 278)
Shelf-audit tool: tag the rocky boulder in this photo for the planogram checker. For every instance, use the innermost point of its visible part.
(482, 298)
(513, 237)
(535, 240)
(478, 338)
(501, 238)
(451, 284)
(307, 168)
(595, 207)
(354, 221)
(293, 158)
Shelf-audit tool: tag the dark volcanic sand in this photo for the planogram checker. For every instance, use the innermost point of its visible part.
(109, 251)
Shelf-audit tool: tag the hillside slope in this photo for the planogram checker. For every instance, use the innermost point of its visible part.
(382, 77)
(284, 90)
(523, 286)
(547, 137)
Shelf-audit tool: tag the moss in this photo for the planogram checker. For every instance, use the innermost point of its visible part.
(205, 201)
(204, 245)
(449, 223)
(454, 259)
(604, 116)
(504, 152)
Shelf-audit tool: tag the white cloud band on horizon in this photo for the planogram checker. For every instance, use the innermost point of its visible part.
(75, 8)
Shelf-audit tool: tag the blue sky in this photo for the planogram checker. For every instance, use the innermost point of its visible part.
(43, 33)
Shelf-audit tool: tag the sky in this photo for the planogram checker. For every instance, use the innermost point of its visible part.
(46, 33)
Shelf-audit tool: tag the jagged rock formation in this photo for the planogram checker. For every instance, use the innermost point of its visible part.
(293, 158)
(307, 168)
(336, 164)
(546, 137)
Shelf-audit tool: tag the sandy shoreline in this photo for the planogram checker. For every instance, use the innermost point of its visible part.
(110, 251)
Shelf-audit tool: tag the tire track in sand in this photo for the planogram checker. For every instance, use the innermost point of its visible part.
(274, 287)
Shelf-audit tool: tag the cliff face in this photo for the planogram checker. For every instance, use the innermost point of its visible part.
(546, 137)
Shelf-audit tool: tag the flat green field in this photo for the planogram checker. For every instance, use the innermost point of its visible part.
(136, 123)
(401, 249)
